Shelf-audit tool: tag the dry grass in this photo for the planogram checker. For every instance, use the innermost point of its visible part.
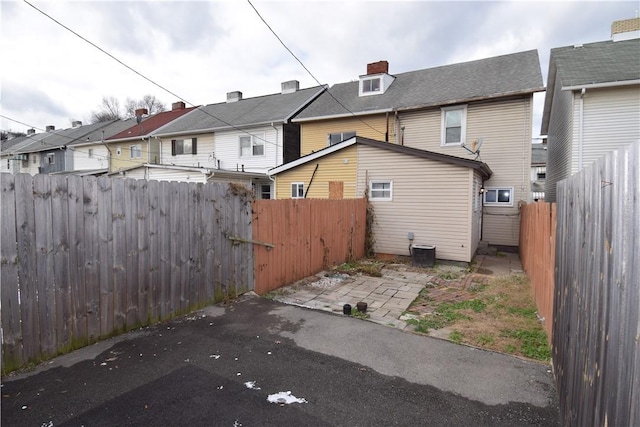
(500, 316)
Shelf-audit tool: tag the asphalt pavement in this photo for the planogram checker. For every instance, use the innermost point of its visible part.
(256, 362)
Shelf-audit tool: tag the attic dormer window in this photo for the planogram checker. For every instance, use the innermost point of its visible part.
(371, 85)
(374, 84)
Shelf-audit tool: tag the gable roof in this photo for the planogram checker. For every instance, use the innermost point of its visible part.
(483, 168)
(149, 124)
(110, 129)
(597, 64)
(259, 110)
(517, 73)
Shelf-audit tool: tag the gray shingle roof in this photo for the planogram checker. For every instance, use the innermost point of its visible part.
(246, 112)
(591, 64)
(449, 84)
(600, 62)
(483, 168)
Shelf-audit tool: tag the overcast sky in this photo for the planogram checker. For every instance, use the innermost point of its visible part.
(200, 50)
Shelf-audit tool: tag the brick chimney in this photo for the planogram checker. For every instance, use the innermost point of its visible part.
(379, 67)
(76, 124)
(178, 106)
(50, 128)
(290, 86)
(141, 112)
(625, 29)
(31, 131)
(234, 96)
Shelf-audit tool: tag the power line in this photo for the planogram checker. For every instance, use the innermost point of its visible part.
(307, 70)
(201, 108)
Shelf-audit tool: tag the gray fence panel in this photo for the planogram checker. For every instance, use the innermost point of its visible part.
(596, 352)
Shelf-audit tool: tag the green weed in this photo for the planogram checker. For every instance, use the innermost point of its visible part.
(456, 337)
(533, 343)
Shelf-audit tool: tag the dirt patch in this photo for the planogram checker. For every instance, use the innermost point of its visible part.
(498, 315)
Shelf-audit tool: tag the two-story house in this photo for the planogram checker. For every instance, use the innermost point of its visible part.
(91, 155)
(480, 111)
(592, 105)
(134, 151)
(538, 170)
(238, 140)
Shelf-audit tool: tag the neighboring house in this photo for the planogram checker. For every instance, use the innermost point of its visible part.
(238, 140)
(90, 153)
(36, 153)
(538, 171)
(432, 197)
(451, 110)
(592, 105)
(135, 147)
(52, 152)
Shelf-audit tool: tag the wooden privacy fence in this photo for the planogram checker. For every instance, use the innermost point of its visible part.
(308, 234)
(596, 349)
(85, 258)
(537, 253)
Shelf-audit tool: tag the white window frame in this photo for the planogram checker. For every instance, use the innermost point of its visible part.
(366, 86)
(138, 148)
(299, 186)
(50, 159)
(496, 191)
(374, 195)
(255, 141)
(342, 136)
(443, 126)
(118, 151)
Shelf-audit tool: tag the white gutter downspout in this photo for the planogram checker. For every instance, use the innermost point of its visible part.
(581, 128)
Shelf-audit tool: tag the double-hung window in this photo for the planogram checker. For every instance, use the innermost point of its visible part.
(297, 190)
(334, 138)
(251, 145)
(184, 146)
(381, 190)
(50, 159)
(371, 85)
(136, 151)
(498, 196)
(454, 125)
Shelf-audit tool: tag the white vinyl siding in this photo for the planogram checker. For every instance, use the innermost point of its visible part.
(611, 121)
(228, 150)
(430, 199)
(505, 127)
(99, 160)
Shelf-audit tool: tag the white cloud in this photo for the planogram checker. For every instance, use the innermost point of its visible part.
(202, 49)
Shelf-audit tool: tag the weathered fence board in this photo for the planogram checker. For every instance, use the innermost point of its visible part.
(120, 256)
(25, 227)
(308, 235)
(91, 260)
(105, 251)
(44, 265)
(84, 258)
(596, 354)
(12, 338)
(76, 260)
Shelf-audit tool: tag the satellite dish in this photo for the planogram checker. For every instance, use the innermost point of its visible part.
(475, 145)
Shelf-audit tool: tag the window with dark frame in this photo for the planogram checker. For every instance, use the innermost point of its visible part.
(184, 146)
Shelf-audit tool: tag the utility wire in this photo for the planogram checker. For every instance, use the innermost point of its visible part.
(201, 108)
(306, 69)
